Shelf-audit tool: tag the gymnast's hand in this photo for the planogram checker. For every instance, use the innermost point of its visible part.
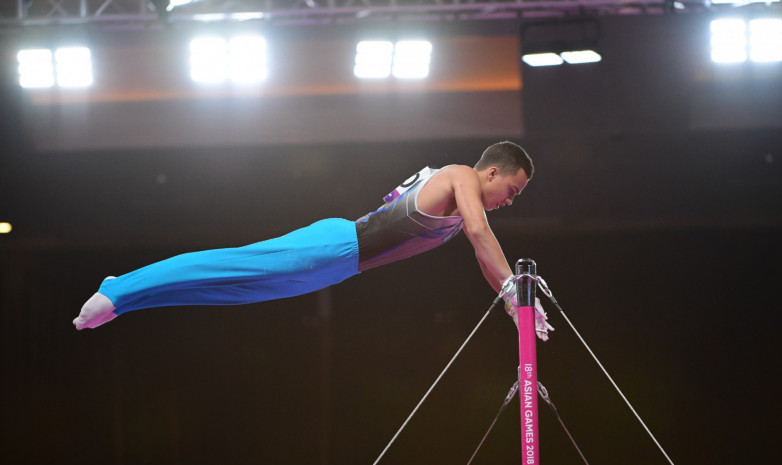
(508, 293)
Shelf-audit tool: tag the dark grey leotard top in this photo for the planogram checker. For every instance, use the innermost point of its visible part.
(398, 229)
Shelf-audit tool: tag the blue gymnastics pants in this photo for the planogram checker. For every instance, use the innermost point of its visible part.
(302, 261)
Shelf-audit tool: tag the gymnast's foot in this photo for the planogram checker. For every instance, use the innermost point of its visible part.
(96, 311)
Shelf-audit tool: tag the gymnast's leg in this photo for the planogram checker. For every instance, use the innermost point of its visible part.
(303, 261)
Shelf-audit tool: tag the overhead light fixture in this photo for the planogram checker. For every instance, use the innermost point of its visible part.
(209, 59)
(555, 42)
(765, 40)
(542, 59)
(373, 59)
(411, 59)
(241, 59)
(67, 67)
(5, 228)
(575, 56)
(405, 59)
(247, 59)
(73, 67)
(581, 56)
(728, 40)
(735, 40)
(36, 69)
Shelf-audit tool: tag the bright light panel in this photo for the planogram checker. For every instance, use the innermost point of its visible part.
(68, 67)
(36, 69)
(73, 67)
(241, 59)
(765, 40)
(728, 40)
(411, 59)
(373, 59)
(209, 60)
(581, 56)
(247, 59)
(542, 59)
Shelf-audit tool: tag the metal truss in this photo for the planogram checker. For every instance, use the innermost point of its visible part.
(30, 13)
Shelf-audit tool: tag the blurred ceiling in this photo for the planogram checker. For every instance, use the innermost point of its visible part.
(29, 13)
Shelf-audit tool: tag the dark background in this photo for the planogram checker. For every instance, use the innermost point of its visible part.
(654, 216)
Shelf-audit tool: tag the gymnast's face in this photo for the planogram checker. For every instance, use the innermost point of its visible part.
(499, 190)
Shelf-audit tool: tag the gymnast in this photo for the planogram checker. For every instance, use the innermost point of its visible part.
(425, 211)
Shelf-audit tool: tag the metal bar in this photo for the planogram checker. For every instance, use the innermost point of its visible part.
(103, 7)
(339, 10)
(57, 7)
(349, 9)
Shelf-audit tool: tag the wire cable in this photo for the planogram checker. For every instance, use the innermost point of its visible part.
(544, 395)
(496, 301)
(556, 304)
(511, 394)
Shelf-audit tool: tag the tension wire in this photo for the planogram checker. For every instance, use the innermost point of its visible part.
(496, 301)
(605, 372)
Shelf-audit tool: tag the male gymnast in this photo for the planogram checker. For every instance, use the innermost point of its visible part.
(425, 211)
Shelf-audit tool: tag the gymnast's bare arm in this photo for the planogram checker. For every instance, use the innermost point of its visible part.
(457, 190)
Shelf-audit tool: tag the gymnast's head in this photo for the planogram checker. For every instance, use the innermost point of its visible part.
(504, 171)
(508, 158)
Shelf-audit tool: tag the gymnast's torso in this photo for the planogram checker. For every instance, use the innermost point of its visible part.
(398, 229)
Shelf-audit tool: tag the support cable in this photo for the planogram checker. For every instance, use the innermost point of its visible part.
(511, 394)
(544, 395)
(544, 287)
(496, 301)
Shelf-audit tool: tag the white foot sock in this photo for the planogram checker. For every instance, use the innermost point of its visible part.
(96, 311)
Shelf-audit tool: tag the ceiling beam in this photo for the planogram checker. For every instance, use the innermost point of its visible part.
(36, 13)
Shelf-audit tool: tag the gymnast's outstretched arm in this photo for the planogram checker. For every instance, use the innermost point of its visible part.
(492, 280)
(467, 192)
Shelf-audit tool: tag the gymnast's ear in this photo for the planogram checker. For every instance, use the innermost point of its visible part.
(492, 172)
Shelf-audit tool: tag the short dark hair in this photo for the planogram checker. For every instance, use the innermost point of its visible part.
(508, 158)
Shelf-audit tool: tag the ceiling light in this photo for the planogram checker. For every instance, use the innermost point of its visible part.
(581, 56)
(542, 59)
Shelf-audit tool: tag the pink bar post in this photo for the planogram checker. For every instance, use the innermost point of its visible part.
(528, 365)
(528, 387)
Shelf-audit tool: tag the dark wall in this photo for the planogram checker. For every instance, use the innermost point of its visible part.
(656, 229)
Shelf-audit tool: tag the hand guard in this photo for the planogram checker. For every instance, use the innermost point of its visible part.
(508, 294)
